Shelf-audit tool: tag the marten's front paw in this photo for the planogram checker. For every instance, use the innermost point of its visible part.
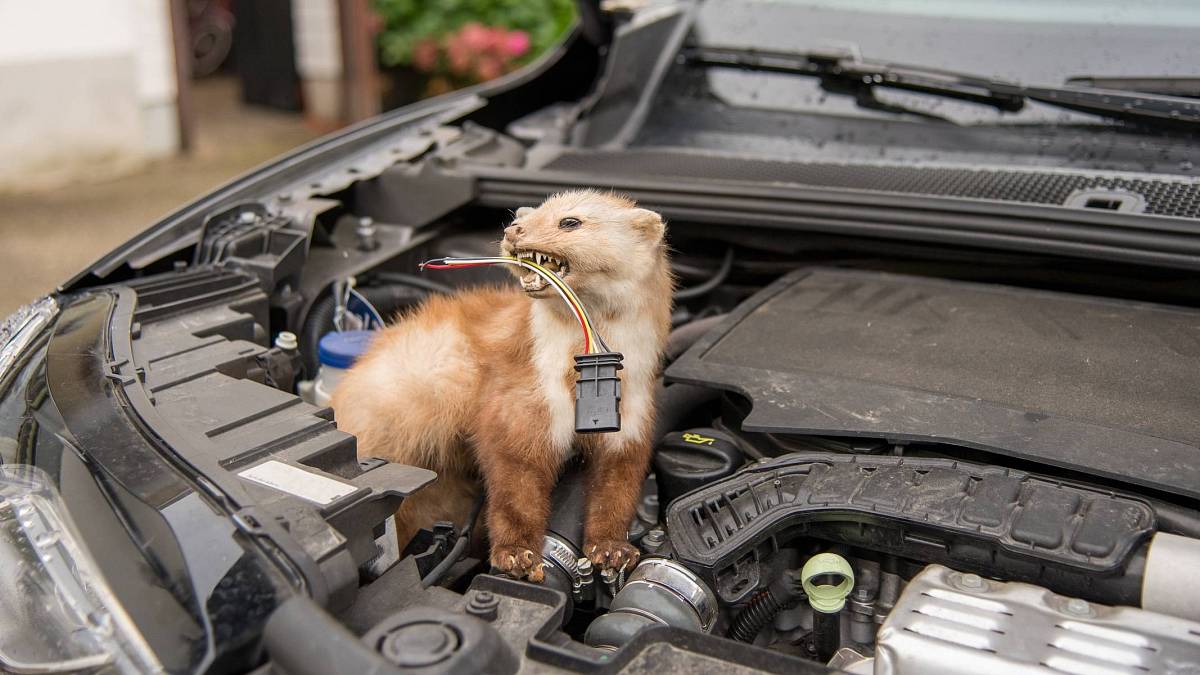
(518, 562)
(612, 554)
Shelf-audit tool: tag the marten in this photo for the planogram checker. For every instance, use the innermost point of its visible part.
(479, 386)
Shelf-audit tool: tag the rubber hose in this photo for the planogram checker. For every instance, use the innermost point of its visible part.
(826, 634)
(684, 270)
(749, 623)
(460, 546)
(391, 297)
(682, 338)
(1176, 519)
(717, 279)
(402, 279)
(568, 504)
(435, 575)
(387, 299)
(763, 607)
(318, 322)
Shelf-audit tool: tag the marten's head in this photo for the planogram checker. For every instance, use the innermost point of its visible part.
(600, 243)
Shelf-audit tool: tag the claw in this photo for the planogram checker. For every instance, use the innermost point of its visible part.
(537, 574)
(518, 562)
(613, 555)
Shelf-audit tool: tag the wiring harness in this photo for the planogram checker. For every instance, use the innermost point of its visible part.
(592, 342)
(598, 389)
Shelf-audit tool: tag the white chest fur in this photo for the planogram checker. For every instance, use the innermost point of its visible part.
(554, 352)
(640, 354)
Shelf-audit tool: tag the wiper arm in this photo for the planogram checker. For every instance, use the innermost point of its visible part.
(842, 72)
(1188, 87)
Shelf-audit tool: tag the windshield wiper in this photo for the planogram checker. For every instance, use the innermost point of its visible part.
(841, 71)
(1187, 87)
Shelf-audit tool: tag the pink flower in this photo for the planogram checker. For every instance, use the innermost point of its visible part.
(425, 54)
(488, 68)
(516, 43)
(458, 54)
(475, 36)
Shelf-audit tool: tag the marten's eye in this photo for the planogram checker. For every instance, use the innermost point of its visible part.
(569, 223)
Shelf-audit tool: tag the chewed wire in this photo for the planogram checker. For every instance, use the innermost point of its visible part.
(592, 342)
(591, 339)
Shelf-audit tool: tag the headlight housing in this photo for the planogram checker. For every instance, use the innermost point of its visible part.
(57, 613)
(20, 328)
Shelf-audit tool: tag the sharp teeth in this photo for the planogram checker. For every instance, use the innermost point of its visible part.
(541, 258)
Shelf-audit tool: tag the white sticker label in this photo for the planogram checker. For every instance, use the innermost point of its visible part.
(296, 481)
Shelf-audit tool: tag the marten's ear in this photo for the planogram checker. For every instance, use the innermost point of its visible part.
(648, 222)
(524, 211)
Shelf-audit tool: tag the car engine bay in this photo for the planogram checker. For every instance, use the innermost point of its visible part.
(841, 478)
(913, 418)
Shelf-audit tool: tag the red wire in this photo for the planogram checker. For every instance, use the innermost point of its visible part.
(587, 342)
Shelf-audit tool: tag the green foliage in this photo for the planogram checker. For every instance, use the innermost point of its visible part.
(408, 22)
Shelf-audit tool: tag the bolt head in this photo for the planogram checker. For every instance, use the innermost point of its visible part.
(971, 581)
(483, 605)
(584, 566)
(1078, 606)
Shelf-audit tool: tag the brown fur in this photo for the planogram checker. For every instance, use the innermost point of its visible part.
(481, 385)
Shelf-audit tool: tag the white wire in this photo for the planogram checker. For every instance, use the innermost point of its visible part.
(599, 341)
(371, 308)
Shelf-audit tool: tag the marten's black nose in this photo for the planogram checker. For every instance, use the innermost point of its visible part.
(513, 231)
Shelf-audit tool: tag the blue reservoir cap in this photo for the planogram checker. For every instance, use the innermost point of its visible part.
(341, 350)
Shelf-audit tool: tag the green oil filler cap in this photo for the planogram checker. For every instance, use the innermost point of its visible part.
(827, 579)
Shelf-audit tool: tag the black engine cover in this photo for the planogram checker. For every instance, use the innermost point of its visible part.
(1106, 387)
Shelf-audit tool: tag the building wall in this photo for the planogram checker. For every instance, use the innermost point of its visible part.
(88, 88)
(319, 58)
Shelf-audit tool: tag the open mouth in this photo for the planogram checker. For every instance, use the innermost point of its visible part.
(533, 282)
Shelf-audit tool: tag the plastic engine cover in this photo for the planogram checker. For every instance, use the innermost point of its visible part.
(986, 519)
(1095, 385)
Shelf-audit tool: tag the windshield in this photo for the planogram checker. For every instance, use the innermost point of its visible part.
(1027, 41)
(1111, 12)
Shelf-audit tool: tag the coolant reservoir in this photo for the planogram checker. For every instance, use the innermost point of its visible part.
(337, 352)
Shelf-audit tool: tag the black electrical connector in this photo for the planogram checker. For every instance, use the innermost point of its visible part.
(598, 393)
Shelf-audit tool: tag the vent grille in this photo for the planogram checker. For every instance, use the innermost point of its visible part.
(1164, 197)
